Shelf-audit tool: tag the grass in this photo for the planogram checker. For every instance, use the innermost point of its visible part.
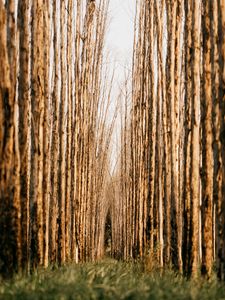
(109, 279)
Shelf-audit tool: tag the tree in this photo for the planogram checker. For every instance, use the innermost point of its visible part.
(37, 132)
(10, 227)
(207, 139)
(24, 102)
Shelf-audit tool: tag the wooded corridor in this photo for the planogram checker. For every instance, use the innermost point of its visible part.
(60, 202)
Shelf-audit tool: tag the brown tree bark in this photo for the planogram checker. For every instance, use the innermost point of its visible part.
(69, 133)
(187, 138)
(195, 138)
(221, 30)
(24, 102)
(47, 130)
(62, 137)
(37, 121)
(207, 139)
(10, 209)
(53, 226)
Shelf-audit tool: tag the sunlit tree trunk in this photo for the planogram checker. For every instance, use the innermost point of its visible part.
(69, 133)
(207, 139)
(75, 137)
(177, 130)
(10, 227)
(37, 127)
(152, 129)
(160, 123)
(195, 138)
(53, 227)
(47, 131)
(62, 136)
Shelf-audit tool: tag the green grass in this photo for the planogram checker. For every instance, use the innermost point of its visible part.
(109, 280)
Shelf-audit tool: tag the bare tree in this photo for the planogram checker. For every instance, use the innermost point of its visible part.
(207, 139)
(10, 227)
(24, 101)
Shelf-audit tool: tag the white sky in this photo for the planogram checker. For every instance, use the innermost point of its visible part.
(119, 41)
(121, 33)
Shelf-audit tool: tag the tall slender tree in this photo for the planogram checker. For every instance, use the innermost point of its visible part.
(10, 227)
(207, 139)
(24, 102)
(37, 132)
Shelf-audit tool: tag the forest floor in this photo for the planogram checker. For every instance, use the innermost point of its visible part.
(109, 279)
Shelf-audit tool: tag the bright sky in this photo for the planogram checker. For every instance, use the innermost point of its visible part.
(121, 33)
(119, 41)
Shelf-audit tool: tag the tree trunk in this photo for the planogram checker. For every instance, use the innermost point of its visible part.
(10, 212)
(221, 26)
(207, 139)
(195, 139)
(37, 121)
(24, 101)
(62, 137)
(53, 226)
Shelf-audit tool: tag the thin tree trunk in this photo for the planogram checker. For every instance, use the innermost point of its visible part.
(187, 139)
(10, 227)
(69, 133)
(37, 121)
(47, 132)
(53, 232)
(221, 27)
(195, 139)
(62, 137)
(24, 102)
(207, 139)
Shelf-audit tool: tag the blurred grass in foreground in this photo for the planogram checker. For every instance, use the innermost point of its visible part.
(109, 279)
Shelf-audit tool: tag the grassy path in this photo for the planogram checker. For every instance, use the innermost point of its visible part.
(108, 280)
